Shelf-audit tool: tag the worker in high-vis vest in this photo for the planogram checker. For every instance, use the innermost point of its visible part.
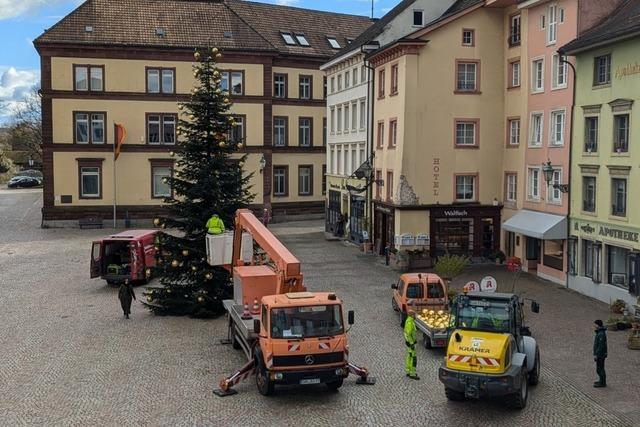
(215, 225)
(410, 339)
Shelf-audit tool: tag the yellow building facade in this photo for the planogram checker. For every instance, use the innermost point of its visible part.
(439, 136)
(272, 75)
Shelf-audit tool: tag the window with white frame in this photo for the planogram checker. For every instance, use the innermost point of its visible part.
(354, 158)
(279, 131)
(418, 18)
(339, 160)
(339, 124)
(514, 30)
(559, 72)
(515, 74)
(354, 76)
(589, 193)
(304, 131)
(339, 82)
(363, 74)
(602, 70)
(333, 84)
(346, 118)
(361, 158)
(555, 195)
(465, 133)
(621, 133)
(280, 85)
(354, 116)
(619, 197)
(90, 182)
(363, 114)
(347, 79)
(280, 181)
(533, 190)
(160, 174)
(557, 128)
(331, 161)
(161, 128)
(512, 187)
(536, 130)
(591, 134)
(552, 28)
(305, 87)
(537, 75)
(333, 120)
(465, 187)
(305, 180)
(467, 77)
(89, 128)
(514, 132)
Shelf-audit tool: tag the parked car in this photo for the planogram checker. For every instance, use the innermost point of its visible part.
(31, 173)
(23, 181)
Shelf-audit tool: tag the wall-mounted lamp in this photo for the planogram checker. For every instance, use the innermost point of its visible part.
(262, 163)
(548, 170)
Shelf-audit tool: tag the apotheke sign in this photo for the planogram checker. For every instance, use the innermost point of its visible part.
(606, 231)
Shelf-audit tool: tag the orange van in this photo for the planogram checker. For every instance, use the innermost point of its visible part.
(419, 291)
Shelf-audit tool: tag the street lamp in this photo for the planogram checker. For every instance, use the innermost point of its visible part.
(548, 170)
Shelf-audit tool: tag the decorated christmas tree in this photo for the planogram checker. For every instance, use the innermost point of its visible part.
(207, 179)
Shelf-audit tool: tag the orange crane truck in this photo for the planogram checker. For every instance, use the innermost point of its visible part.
(290, 336)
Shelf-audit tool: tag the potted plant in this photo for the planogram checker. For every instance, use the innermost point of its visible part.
(612, 324)
(450, 266)
(618, 306)
(500, 257)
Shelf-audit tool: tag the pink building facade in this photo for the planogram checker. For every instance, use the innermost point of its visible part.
(541, 224)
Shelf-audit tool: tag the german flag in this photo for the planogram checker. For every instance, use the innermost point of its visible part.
(120, 135)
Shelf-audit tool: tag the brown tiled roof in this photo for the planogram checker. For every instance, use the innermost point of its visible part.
(229, 24)
(622, 24)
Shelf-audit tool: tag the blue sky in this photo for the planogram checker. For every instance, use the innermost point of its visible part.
(21, 21)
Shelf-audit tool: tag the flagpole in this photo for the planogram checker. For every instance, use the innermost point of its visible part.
(115, 143)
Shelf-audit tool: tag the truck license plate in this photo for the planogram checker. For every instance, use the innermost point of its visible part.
(310, 381)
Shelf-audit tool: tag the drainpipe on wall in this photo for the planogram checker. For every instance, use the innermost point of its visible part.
(371, 153)
(573, 103)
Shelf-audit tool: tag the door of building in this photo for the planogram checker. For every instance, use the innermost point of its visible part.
(356, 219)
(487, 237)
(333, 211)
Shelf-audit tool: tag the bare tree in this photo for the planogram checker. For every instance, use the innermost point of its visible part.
(25, 131)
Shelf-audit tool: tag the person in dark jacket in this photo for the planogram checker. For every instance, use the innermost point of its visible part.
(600, 353)
(125, 295)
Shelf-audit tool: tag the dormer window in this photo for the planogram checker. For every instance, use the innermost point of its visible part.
(160, 32)
(302, 40)
(418, 18)
(288, 39)
(333, 42)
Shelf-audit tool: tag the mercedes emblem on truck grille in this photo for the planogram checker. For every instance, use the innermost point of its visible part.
(308, 359)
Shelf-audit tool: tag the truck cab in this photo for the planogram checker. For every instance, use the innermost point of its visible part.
(122, 256)
(490, 351)
(301, 340)
(419, 291)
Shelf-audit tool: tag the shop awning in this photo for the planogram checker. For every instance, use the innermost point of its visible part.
(539, 225)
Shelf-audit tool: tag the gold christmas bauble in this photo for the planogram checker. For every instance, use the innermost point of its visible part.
(222, 144)
(214, 50)
(168, 291)
(165, 180)
(218, 55)
(209, 276)
(149, 298)
(240, 145)
(156, 222)
(185, 253)
(180, 107)
(240, 164)
(196, 56)
(226, 100)
(216, 73)
(171, 153)
(194, 268)
(200, 299)
(218, 91)
(191, 116)
(147, 272)
(174, 263)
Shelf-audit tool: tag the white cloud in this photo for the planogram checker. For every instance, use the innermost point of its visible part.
(282, 2)
(14, 85)
(13, 8)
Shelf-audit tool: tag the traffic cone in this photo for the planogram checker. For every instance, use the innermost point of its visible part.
(256, 308)
(246, 314)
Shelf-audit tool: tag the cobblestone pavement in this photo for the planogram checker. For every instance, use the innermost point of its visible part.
(69, 359)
